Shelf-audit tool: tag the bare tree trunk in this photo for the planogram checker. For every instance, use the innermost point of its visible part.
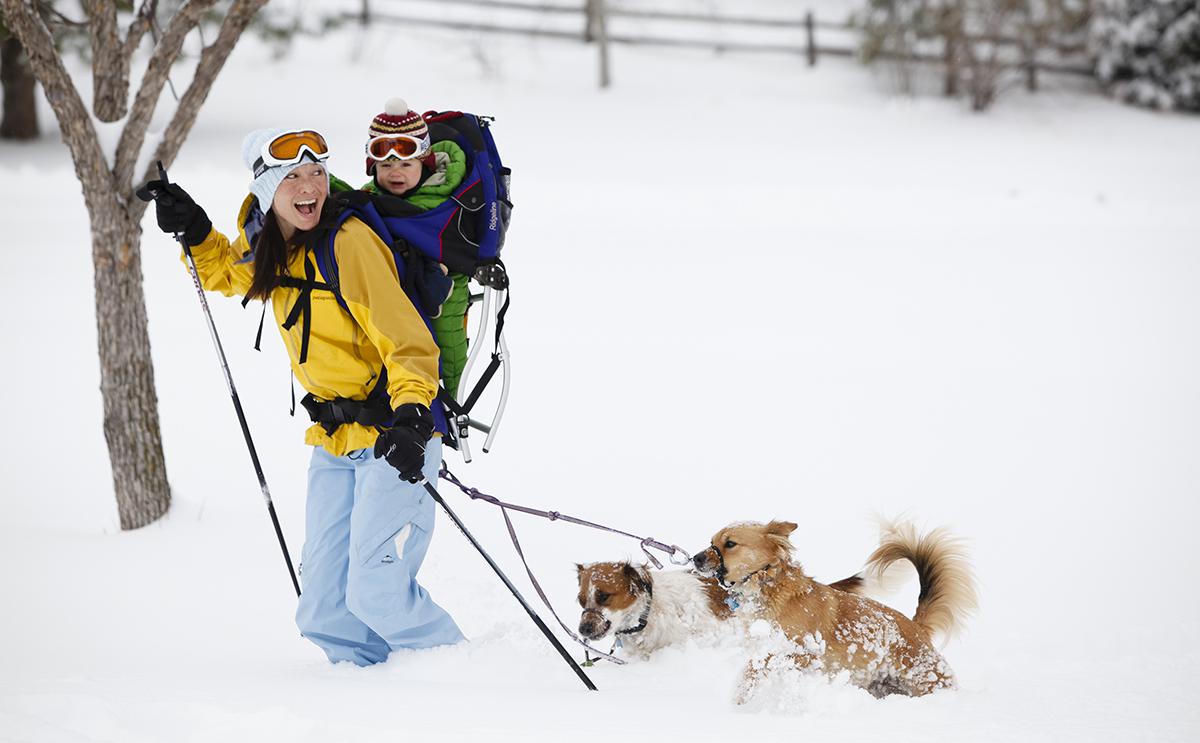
(20, 103)
(126, 371)
(131, 425)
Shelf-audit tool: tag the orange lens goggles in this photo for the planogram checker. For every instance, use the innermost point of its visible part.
(400, 146)
(290, 148)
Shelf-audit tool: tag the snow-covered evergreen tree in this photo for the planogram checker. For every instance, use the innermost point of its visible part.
(1148, 51)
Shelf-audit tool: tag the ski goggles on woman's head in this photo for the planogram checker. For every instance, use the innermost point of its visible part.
(399, 146)
(290, 148)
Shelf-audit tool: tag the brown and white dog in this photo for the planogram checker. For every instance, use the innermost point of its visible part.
(645, 610)
(649, 610)
(884, 651)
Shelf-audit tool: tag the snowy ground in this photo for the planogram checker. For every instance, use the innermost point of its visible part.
(744, 290)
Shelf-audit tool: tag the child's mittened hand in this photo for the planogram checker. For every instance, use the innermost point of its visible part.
(435, 288)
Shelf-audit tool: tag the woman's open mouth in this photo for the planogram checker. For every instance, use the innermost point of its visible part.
(307, 208)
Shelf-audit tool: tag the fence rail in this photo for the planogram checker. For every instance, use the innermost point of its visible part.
(594, 14)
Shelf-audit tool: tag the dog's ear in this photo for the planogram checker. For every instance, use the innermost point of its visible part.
(777, 532)
(781, 528)
(578, 570)
(636, 578)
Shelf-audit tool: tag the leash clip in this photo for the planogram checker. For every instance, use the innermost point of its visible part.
(677, 550)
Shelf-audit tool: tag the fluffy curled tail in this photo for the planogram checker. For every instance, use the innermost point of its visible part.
(947, 585)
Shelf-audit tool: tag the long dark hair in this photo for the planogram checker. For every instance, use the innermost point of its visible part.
(272, 253)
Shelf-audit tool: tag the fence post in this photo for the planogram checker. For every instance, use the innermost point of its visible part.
(810, 35)
(589, 21)
(598, 26)
(365, 17)
(1027, 54)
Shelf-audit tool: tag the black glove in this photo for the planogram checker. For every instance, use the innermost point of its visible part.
(403, 445)
(493, 275)
(176, 211)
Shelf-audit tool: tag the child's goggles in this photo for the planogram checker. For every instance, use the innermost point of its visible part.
(400, 146)
(290, 148)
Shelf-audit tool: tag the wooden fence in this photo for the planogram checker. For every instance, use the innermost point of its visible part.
(592, 26)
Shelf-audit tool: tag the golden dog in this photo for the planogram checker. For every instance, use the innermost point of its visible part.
(884, 651)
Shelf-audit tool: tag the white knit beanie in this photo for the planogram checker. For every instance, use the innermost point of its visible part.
(264, 186)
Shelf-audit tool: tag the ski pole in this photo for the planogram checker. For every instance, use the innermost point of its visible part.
(237, 403)
(512, 589)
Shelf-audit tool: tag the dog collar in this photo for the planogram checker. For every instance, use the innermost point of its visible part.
(763, 569)
(742, 582)
(641, 625)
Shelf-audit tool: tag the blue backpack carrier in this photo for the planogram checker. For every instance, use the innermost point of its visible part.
(464, 233)
(467, 230)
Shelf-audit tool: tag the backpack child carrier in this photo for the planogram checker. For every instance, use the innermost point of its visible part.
(465, 233)
(467, 230)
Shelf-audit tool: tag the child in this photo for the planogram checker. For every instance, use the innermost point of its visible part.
(404, 163)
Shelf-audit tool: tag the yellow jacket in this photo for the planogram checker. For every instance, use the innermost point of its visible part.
(345, 353)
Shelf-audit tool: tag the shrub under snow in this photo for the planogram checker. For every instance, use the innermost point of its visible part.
(1148, 51)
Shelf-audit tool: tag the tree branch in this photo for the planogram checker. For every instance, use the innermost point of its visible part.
(49, 12)
(77, 130)
(159, 67)
(110, 66)
(140, 25)
(211, 61)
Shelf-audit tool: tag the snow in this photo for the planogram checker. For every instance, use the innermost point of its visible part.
(743, 290)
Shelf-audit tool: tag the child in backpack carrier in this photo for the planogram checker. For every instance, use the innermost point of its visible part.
(403, 163)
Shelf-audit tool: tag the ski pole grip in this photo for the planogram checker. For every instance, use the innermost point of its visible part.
(162, 176)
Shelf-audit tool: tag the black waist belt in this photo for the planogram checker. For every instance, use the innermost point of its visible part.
(333, 413)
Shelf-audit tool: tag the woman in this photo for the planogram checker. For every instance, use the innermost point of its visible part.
(371, 371)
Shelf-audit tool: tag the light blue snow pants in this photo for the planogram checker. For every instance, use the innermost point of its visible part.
(366, 533)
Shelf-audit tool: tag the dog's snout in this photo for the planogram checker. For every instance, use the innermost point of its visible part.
(593, 625)
(703, 560)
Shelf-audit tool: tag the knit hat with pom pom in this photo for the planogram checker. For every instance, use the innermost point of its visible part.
(398, 118)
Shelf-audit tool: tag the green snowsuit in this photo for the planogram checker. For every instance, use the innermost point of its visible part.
(451, 326)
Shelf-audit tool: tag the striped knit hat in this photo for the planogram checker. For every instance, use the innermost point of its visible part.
(398, 118)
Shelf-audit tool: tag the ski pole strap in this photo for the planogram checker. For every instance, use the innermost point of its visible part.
(673, 551)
